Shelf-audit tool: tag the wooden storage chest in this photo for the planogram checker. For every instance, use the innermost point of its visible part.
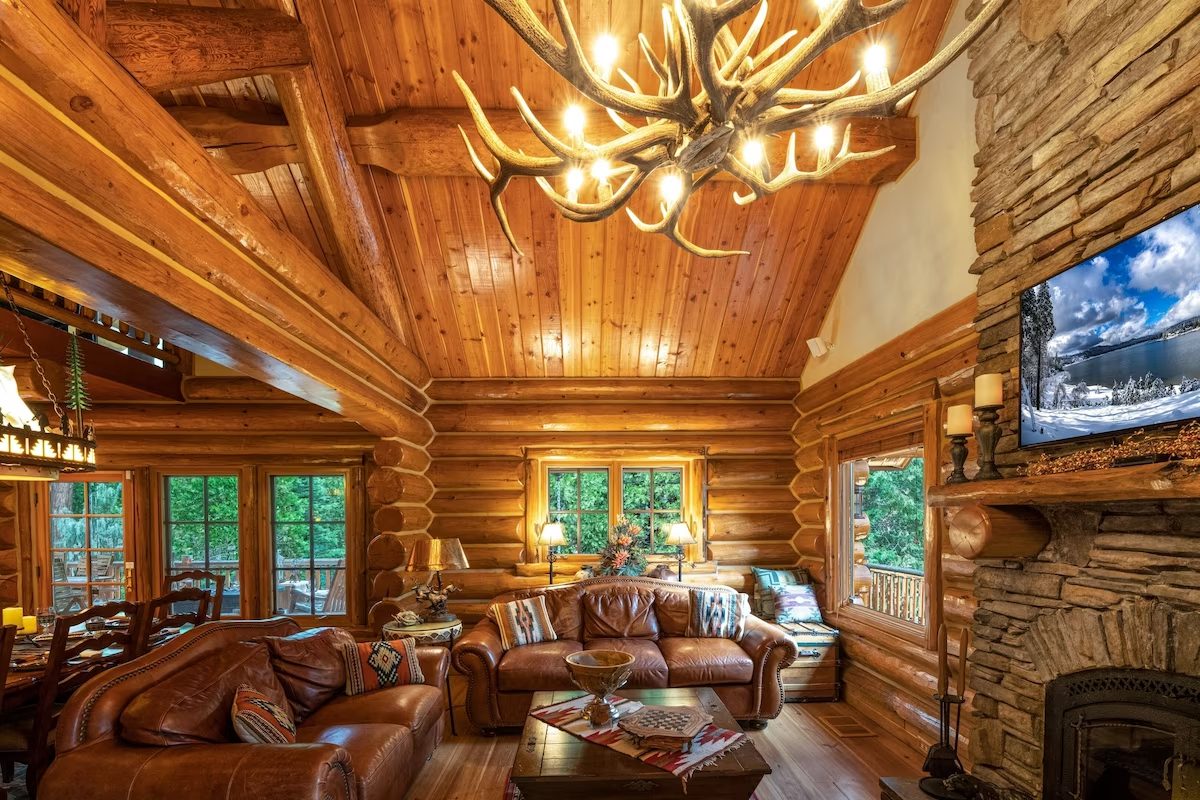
(816, 674)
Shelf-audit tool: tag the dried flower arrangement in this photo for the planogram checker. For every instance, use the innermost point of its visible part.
(623, 554)
(1184, 445)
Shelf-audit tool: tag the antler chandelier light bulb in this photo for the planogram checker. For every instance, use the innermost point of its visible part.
(719, 99)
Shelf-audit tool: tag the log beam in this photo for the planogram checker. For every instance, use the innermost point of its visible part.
(89, 15)
(423, 142)
(136, 219)
(170, 46)
(317, 120)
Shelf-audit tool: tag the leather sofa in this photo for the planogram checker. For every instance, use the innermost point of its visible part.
(370, 746)
(642, 616)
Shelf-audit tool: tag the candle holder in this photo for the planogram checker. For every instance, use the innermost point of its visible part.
(988, 436)
(958, 456)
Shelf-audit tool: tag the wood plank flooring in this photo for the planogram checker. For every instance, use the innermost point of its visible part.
(807, 761)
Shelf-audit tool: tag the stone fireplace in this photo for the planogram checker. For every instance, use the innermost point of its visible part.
(1088, 656)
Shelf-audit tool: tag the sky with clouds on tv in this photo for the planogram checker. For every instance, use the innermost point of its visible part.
(1139, 287)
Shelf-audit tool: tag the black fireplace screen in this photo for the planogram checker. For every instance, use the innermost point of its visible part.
(1122, 735)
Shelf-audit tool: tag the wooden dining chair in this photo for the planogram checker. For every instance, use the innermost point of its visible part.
(198, 578)
(8, 637)
(161, 614)
(28, 736)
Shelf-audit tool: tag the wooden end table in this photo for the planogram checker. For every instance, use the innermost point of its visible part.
(441, 634)
(552, 764)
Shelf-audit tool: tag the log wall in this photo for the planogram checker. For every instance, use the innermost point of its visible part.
(887, 676)
(1087, 131)
(489, 430)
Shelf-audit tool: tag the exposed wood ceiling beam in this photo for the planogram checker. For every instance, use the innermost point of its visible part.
(317, 121)
(419, 142)
(169, 46)
(114, 205)
(89, 15)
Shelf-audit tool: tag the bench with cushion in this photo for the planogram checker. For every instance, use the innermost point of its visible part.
(642, 616)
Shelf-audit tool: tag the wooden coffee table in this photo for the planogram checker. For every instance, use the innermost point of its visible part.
(551, 764)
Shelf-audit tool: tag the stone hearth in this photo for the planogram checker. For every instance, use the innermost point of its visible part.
(1118, 586)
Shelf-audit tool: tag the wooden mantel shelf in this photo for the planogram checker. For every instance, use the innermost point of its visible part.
(1173, 480)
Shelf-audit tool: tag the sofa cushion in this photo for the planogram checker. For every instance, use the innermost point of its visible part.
(418, 708)
(796, 604)
(566, 612)
(671, 608)
(379, 755)
(522, 621)
(619, 612)
(717, 614)
(192, 706)
(537, 667)
(649, 670)
(767, 579)
(705, 662)
(309, 665)
(256, 720)
(378, 665)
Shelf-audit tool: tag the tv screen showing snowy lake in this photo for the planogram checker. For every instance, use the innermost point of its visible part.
(1113, 344)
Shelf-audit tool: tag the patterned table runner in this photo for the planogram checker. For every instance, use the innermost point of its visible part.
(707, 748)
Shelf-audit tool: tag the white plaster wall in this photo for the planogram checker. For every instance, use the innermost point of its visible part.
(912, 257)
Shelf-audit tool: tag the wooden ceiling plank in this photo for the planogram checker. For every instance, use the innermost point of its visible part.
(677, 301)
(614, 303)
(166, 46)
(150, 182)
(524, 277)
(483, 297)
(544, 228)
(459, 262)
(655, 288)
(635, 263)
(570, 269)
(731, 223)
(592, 268)
(729, 343)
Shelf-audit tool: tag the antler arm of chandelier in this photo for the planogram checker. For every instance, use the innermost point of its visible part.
(570, 61)
(669, 224)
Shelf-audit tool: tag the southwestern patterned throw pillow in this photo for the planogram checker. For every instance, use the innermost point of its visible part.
(523, 622)
(717, 615)
(767, 579)
(257, 720)
(378, 665)
(796, 604)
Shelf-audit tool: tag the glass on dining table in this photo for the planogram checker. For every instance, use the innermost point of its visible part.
(46, 617)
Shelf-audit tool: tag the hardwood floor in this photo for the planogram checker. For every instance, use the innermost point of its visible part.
(807, 761)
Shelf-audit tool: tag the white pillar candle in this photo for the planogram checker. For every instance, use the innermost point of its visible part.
(989, 390)
(959, 419)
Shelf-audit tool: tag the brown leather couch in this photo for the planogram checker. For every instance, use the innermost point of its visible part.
(158, 727)
(642, 616)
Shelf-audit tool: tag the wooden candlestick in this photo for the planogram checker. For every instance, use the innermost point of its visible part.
(958, 457)
(988, 436)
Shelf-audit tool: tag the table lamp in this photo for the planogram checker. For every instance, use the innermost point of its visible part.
(435, 555)
(679, 535)
(552, 536)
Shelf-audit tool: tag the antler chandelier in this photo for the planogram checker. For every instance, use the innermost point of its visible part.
(715, 106)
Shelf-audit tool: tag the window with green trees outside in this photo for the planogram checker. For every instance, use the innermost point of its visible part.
(87, 542)
(200, 514)
(653, 498)
(579, 499)
(308, 524)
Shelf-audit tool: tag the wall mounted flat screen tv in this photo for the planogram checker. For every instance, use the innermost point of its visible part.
(1113, 344)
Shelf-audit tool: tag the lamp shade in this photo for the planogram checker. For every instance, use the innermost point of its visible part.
(552, 535)
(432, 555)
(680, 534)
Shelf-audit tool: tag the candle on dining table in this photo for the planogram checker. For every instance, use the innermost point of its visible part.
(959, 420)
(963, 640)
(989, 390)
(943, 664)
(12, 615)
(28, 624)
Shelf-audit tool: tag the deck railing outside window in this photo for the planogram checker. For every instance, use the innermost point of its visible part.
(898, 592)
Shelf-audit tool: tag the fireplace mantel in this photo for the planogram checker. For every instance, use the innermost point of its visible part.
(1168, 480)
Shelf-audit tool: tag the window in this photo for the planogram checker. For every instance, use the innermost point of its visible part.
(886, 532)
(87, 542)
(308, 525)
(200, 516)
(579, 499)
(587, 497)
(653, 498)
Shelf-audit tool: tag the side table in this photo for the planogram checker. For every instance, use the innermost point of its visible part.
(441, 634)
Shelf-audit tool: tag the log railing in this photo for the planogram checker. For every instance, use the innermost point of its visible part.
(897, 592)
(92, 323)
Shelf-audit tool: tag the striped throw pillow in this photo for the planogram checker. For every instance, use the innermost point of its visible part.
(523, 622)
(796, 604)
(717, 614)
(257, 720)
(767, 579)
(379, 665)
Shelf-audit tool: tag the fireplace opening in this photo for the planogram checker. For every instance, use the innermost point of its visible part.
(1121, 734)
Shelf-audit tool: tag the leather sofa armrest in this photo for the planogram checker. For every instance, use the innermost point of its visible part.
(477, 655)
(113, 771)
(435, 665)
(772, 651)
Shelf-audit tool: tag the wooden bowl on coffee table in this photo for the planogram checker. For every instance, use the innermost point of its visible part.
(600, 673)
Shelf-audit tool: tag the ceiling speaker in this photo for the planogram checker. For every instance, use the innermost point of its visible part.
(818, 347)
